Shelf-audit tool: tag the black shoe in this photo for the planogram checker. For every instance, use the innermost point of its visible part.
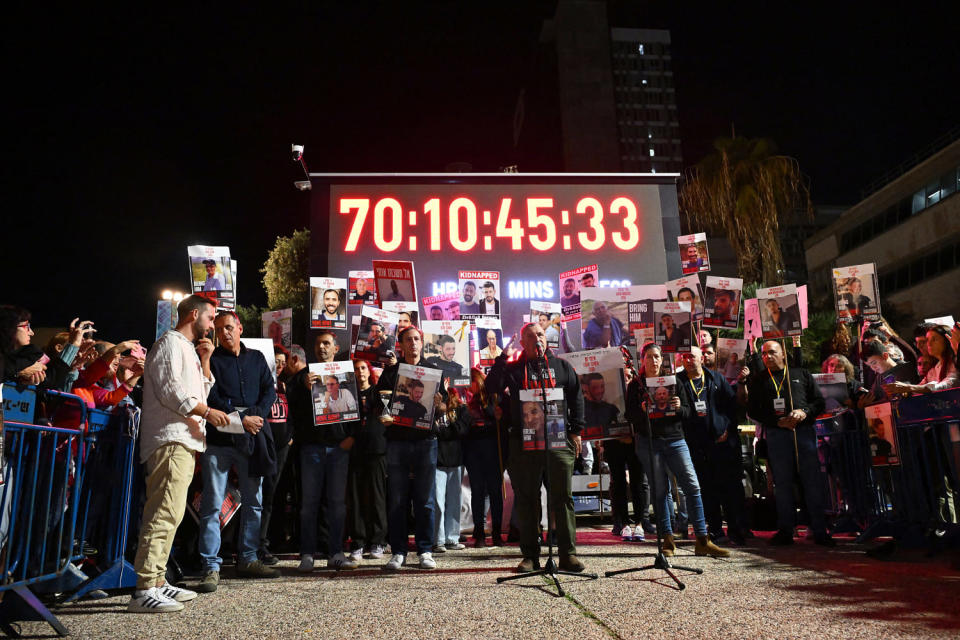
(648, 527)
(825, 540)
(268, 559)
(782, 539)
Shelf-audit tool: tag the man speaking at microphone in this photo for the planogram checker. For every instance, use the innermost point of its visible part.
(538, 368)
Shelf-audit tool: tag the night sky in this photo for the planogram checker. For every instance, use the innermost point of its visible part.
(133, 134)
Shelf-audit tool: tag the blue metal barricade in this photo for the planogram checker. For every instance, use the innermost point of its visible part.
(108, 488)
(40, 502)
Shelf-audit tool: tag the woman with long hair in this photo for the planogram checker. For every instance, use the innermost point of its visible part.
(483, 458)
(452, 420)
(943, 375)
(662, 440)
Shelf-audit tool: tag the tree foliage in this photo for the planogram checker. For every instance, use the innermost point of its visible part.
(745, 191)
(286, 272)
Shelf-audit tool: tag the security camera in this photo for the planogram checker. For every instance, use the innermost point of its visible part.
(297, 150)
(303, 185)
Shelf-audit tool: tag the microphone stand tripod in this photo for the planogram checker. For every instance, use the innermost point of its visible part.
(660, 561)
(549, 567)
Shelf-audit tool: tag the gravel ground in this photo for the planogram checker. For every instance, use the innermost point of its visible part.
(800, 592)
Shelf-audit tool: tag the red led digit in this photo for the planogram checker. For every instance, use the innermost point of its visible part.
(432, 208)
(471, 224)
(362, 207)
(629, 223)
(508, 227)
(596, 223)
(536, 219)
(396, 225)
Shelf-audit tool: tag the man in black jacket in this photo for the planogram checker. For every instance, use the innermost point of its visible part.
(527, 468)
(787, 407)
(714, 443)
(409, 450)
(324, 463)
(244, 384)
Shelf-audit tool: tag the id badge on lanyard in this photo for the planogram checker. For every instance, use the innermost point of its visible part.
(780, 406)
(701, 407)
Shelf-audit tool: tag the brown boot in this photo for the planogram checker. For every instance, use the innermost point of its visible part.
(705, 547)
(571, 563)
(669, 548)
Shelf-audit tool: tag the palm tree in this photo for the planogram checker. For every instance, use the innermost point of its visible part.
(745, 191)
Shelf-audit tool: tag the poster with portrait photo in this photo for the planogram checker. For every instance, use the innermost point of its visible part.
(278, 326)
(479, 294)
(395, 280)
(543, 430)
(687, 289)
(661, 389)
(721, 302)
(376, 335)
(604, 392)
(833, 388)
(211, 270)
(443, 307)
(731, 356)
(604, 318)
(408, 311)
(640, 308)
(857, 293)
(447, 342)
(882, 433)
(334, 394)
(671, 321)
(548, 316)
(779, 311)
(411, 404)
(570, 283)
(328, 303)
(489, 339)
(694, 256)
(363, 288)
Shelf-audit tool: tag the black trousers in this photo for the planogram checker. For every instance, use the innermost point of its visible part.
(269, 491)
(621, 456)
(367, 500)
(720, 474)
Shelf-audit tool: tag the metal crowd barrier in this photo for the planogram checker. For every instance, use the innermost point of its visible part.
(910, 491)
(39, 502)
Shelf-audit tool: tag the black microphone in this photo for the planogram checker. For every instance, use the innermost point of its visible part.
(539, 349)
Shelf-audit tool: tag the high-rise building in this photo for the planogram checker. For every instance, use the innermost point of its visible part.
(599, 98)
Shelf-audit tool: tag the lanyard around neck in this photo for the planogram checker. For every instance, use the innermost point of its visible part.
(776, 386)
(702, 386)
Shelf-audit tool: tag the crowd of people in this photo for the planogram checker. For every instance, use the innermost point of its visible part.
(361, 480)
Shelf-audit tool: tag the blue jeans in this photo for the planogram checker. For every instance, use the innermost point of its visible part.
(323, 469)
(675, 456)
(420, 458)
(447, 505)
(783, 463)
(215, 465)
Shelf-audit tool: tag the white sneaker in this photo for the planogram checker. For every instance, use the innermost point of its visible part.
(340, 561)
(176, 593)
(376, 552)
(396, 561)
(455, 546)
(152, 601)
(427, 561)
(627, 533)
(306, 563)
(357, 555)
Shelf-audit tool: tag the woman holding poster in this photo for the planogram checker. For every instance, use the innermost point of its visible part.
(661, 441)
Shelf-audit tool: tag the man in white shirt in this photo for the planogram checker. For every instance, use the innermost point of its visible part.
(177, 380)
(338, 400)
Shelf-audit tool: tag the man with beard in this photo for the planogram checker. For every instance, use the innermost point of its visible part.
(570, 294)
(469, 304)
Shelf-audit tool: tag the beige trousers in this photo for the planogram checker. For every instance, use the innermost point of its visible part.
(169, 472)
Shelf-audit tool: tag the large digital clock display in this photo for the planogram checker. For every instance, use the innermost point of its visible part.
(527, 227)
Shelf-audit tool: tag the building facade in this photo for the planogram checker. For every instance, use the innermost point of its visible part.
(910, 228)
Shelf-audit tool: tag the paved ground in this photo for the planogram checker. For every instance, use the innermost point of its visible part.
(803, 591)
